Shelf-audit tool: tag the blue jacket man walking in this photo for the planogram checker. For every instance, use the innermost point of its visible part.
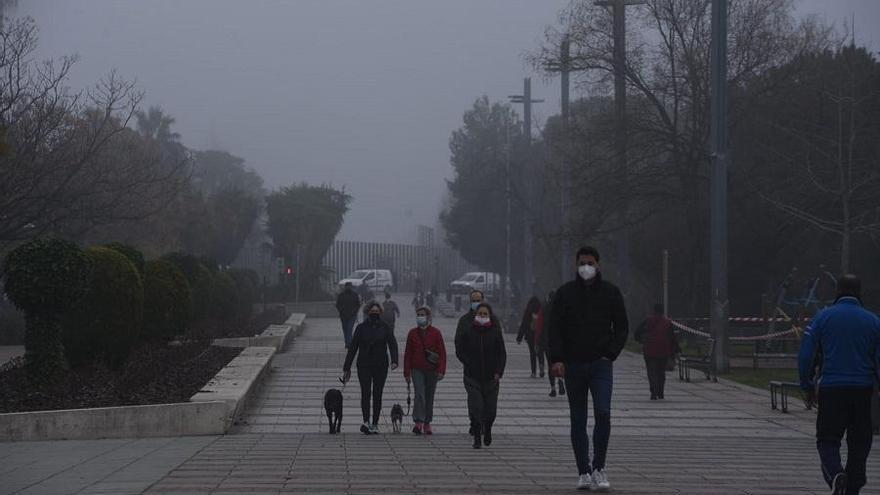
(843, 341)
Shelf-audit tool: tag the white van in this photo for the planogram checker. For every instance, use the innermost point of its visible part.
(487, 282)
(376, 279)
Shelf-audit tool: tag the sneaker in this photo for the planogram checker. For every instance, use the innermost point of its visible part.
(534, 375)
(428, 430)
(365, 428)
(477, 441)
(541, 374)
(417, 429)
(374, 429)
(585, 482)
(600, 481)
(552, 392)
(487, 436)
(838, 486)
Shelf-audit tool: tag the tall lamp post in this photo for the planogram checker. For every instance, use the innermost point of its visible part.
(718, 189)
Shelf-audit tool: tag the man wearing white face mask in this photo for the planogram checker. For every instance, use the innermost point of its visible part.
(588, 330)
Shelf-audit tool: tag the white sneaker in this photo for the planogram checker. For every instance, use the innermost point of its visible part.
(374, 429)
(585, 481)
(600, 481)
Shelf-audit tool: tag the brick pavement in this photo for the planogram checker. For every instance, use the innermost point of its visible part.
(705, 438)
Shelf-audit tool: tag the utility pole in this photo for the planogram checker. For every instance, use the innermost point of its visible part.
(563, 66)
(618, 11)
(525, 181)
(720, 306)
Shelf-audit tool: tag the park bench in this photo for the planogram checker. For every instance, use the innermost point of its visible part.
(698, 362)
(763, 353)
(779, 394)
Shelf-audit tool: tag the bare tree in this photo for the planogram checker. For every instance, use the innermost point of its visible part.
(826, 134)
(72, 163)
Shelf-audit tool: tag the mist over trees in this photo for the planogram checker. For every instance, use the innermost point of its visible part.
(804, 140)
(95, 167)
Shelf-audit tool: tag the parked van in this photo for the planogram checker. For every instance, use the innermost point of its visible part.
(375, 279)
(487, 282)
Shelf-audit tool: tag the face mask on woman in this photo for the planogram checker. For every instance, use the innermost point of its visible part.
(483, 321)
(422, 321)
(374, 316)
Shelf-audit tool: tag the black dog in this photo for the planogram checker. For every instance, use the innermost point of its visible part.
(396, 417)
(333, 406)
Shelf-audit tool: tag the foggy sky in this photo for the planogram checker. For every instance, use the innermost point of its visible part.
(356, 93)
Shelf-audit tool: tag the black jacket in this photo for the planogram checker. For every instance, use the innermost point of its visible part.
(372, 341)
(347, 303)
(588, 321)
(481, 351)
(466, 321)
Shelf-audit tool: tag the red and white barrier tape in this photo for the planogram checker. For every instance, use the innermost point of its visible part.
(769, 336)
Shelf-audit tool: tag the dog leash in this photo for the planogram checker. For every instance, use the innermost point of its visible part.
(408, 400)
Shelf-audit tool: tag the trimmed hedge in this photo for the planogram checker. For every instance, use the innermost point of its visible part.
(105, 325)
(247, 284)
(133, 255)
(45, 278)
(200, 282)
(224, 297)
(167, 301)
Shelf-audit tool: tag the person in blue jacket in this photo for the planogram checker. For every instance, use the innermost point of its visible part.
(844, 341)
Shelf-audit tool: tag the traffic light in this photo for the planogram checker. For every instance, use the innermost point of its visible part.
(288, 271)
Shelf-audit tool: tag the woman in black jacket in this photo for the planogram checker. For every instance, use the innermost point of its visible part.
(481, 351)
(528, 331)
(373, 340)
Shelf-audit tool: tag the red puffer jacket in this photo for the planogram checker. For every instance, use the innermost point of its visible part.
(657, 337)
(414, 355)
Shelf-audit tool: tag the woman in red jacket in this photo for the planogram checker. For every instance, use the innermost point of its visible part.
(424, 364)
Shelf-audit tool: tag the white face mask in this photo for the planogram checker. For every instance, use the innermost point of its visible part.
(482, 320)
(422, 321)
(587, 272)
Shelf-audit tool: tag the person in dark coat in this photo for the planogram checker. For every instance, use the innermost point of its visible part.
(347, 304)
(481, 350)
(390, 311)
(529, 330)
(659, 345)
(846, 336)
(466, 321)
(587, 334)
(544, 340)
(372, 343)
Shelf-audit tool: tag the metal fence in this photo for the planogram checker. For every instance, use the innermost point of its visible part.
(428, 266)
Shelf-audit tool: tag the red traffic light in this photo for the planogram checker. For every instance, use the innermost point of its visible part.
(289, 270)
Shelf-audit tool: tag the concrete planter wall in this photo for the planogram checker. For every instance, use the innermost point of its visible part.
(211, 411)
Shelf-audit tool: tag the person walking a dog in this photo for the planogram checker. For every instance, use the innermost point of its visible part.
(372, 343)
(481, 350)
(347, 304)
(424, 364)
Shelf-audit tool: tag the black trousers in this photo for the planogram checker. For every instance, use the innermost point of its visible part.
(656, 367)
(372, 381)
(844, 410)
(482, 401)
(535, 355)
(545, 352)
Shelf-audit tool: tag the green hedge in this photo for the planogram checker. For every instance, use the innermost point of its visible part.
(105, 325)
(247, 284)
(45, 278)
(200, 282)
(133, 255)
(167, 301)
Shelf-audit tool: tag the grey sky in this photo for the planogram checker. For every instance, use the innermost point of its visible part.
(361, 94)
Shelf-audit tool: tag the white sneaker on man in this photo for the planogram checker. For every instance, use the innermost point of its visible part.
(585, 482)
(600, 481)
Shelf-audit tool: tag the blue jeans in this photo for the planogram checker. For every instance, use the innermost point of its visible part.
(583, 379)
(347, 329)
(425, 384)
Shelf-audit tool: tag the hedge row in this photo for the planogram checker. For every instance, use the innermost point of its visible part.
(94, 305)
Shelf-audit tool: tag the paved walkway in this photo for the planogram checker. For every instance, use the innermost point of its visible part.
(705, 438)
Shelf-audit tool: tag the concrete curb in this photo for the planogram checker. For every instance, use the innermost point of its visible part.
(277, 336)
(156, 420)
(211, 411)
